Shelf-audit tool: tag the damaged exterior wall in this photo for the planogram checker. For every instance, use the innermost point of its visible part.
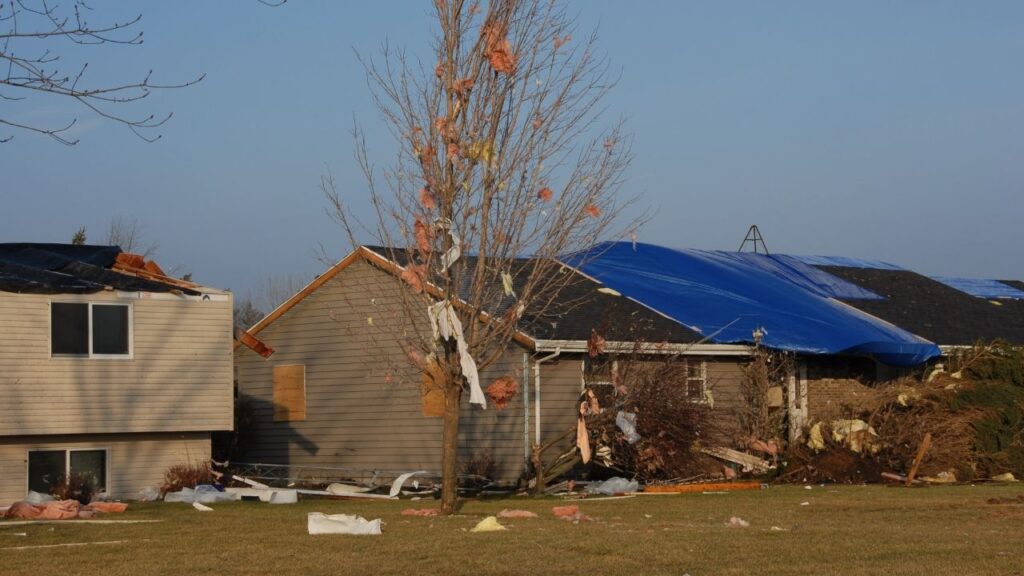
(364, 407)
(176, 379)
(835, 382)
(134, 461)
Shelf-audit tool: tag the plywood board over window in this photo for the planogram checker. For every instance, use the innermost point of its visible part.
(289, 392)
(432, 393)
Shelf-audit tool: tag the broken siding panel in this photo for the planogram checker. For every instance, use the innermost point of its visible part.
(178, 378)
(134, 461)
(363, 399)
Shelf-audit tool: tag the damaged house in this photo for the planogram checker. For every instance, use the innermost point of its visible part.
(332, 392)
(109, 369)
(848, 322)
(332, 388)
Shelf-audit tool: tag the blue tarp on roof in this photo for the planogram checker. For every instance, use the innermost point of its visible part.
(726, 296)
(845, 262)
(981, 288)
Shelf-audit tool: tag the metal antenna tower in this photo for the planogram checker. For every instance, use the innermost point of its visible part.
(754, 238)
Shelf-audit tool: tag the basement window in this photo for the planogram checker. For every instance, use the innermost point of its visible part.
(47, 468)
(90, 330)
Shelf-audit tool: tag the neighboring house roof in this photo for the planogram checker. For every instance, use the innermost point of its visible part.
(935, 310)
(579, 307)
(1019, 285)
(728, 296)
(80, 269)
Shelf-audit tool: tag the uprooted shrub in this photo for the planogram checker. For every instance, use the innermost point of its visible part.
(186, 476)
(75, 486)
(673, 420)
(755, 418)
(481, 464)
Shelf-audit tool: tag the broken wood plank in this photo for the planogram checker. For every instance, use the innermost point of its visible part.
(702, 487)
(925, 445)
(747, 461)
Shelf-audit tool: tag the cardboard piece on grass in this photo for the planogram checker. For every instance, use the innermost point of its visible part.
(320, 523)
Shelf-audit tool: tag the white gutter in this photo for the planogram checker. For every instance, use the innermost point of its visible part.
(569, 346)
(536, 389)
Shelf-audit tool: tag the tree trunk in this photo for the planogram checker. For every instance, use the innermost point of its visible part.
(450, 449)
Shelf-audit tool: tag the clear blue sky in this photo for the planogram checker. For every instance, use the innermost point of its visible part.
(887, 130)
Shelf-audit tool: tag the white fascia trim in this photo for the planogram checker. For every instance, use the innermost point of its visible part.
(568, 346)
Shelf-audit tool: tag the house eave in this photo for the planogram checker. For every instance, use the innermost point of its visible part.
(698, 349)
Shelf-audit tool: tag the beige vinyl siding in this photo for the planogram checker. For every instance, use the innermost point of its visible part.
(561, 382)
(363, 398)
(178, 378)
(134, 461)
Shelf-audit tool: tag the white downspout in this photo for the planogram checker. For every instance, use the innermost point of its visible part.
(526, 410)
(536, 389)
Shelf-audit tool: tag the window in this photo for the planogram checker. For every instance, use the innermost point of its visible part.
(289, 392)
(87, 329)
(696, 380)
(599, 376)
(46, 468)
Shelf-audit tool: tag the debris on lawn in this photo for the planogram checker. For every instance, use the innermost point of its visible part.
(61, 509)
(1005, 477)
(320, 523)
(749, 463)
(613, 486)
(396, 486)
(506, 513)
(489, 524)
(704, 487)
(421, 512)
(148, 494)
(204, 493)
(571, 513)
(737, 522)
(201, 507)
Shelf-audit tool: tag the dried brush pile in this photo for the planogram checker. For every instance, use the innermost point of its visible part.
(975, 415)
(671, 420)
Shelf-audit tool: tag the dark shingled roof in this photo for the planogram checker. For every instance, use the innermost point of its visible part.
(578, 308)
(1019, 285)
(68, 269)
(934, 310)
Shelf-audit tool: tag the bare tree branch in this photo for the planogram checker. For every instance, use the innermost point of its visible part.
(31, 32)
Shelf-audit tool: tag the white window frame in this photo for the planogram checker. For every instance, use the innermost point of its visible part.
(611, 374)
(131, 331)
(702, 378)
(67, 462)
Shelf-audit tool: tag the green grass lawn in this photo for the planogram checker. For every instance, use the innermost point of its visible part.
(841, 530)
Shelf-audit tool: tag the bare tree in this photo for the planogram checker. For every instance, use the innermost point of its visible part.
(246, 313)
(499, 156)
(127, 234)
(33, 35)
